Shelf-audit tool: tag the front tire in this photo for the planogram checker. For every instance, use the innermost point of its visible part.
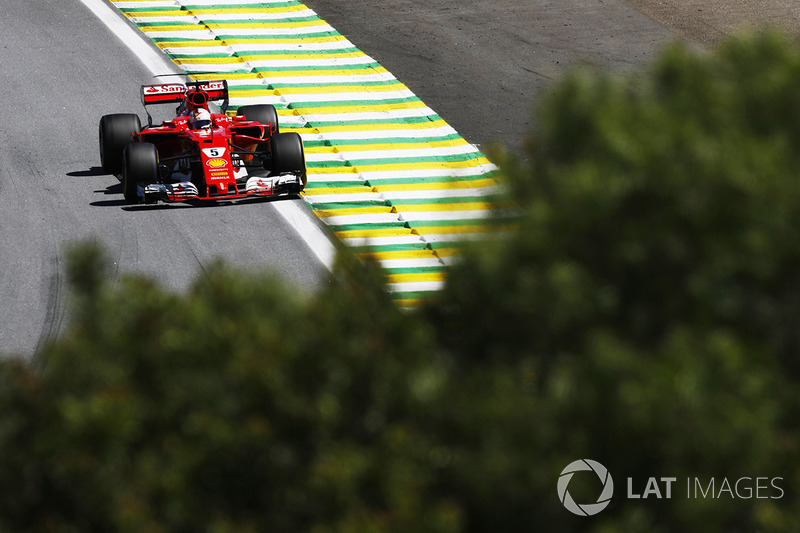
(288, 155)
(114, 133)
(139, 166)
(263, 113)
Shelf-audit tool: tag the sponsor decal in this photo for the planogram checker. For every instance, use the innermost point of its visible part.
(216, 163)
(165, 89)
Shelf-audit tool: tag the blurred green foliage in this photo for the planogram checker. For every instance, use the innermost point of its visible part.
(645, 315)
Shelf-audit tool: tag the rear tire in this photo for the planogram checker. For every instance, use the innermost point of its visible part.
(288, 155)
(263, 113)
(115, 132)
(139, 166)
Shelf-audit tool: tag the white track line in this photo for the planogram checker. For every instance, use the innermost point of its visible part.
(297, 217)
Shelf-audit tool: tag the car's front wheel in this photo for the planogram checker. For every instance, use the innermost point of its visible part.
(115, 132)
(288, 155)
(139, 167)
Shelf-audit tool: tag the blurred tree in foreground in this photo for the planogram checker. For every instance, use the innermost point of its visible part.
(645, 316)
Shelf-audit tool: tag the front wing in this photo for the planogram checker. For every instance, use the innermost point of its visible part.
(254, 187)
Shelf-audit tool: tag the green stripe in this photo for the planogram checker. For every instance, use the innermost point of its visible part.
(408, 247)
(322, 206)
(367, 226)
(413, 295)
(416, 270)
(328, 164)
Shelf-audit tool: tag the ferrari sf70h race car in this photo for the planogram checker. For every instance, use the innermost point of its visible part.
(202, 153)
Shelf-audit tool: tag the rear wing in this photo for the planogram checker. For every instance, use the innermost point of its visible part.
(167, 93)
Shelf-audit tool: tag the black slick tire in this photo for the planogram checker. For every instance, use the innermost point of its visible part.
(263, 113)
(114, 133)
(288, 155)
(139, 167)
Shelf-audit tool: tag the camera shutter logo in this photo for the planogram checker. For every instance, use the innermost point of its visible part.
(587, 509)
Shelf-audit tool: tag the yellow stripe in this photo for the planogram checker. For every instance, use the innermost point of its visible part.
(417, 277)
(333, 170)
(325, 213)
(228, 76)
(336, 190)
(441, 185)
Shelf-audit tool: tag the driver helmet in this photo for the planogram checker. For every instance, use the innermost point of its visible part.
(200, 118)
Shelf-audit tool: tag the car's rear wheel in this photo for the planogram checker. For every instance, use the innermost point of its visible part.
(139, 167)
(263, 113)
(288, 155)
(115, 132)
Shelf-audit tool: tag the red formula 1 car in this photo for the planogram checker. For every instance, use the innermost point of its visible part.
(202, 153)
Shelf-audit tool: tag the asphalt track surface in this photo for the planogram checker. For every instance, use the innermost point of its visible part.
(482, 64)
(61, 71)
